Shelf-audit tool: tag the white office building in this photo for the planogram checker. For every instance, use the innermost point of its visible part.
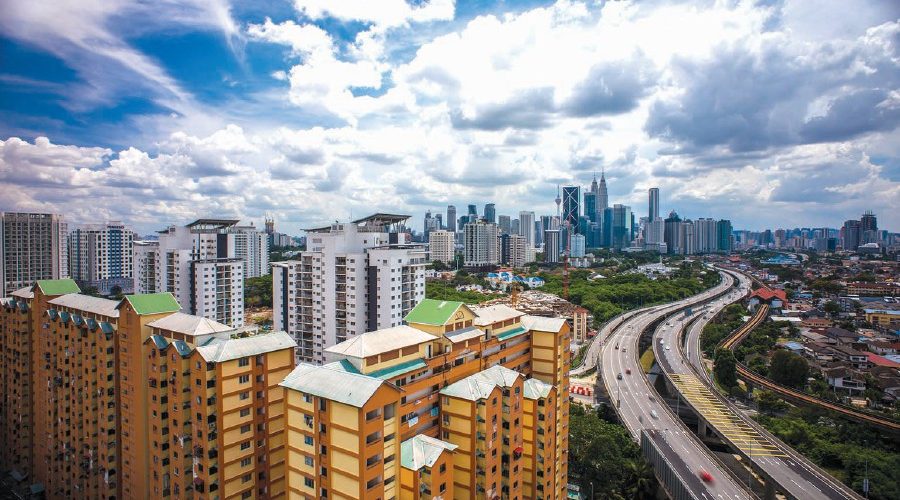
(482, 244)
(353, 278)
(577, 246)
(101, 256)
(441, 246)
(197, 264)
(145, 266)
(32, 247)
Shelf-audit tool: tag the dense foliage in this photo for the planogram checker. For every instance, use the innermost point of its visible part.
(843, 448)
(607, 297)
(725, 368)
(788, 369)
(444, 290)
(603, 454)
(258, 291)
(726, 322)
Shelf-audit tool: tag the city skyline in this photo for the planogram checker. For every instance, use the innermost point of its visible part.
(315, 112)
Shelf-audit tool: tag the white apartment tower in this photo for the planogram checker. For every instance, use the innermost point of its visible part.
(519, 251)
(197, 263)
(482, 247)
(102, 256)
(353, 278)
(145, 266)
(441, 246)
(251, 246)
(32, 247)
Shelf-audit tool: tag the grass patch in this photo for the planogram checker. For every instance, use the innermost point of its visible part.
(647, 360)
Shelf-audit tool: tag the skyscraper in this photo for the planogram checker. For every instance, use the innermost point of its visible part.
(451, 218)
(504, 223)
(571, 210)
(551, 246)
(32, 247)
(850, 234)
(621, 226)
(490, 212)
(672, 233)
(602, 194)
(590, 205)
(723, 235)
(868, 228)
(653, 212)
(473, 210)
(526, 227)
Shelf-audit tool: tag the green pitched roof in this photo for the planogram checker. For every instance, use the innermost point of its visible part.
(433, 312)
(58, 287)
(153, 303)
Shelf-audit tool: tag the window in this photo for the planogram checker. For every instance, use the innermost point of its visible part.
(244, 362)
(307, 398)
(308, 440)
(245, 428)
(245, 412)
(245, 395)
(245, 445)
(243, 379)
(245, 462)
(308, 461)
(308, 482)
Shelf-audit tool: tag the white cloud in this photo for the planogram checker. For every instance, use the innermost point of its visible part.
(385, 13)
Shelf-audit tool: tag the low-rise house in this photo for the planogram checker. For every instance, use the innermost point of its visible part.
(844, 378)
(857, 359)
(818, 351)
(882, 348)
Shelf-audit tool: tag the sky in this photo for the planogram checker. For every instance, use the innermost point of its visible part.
(769, 113)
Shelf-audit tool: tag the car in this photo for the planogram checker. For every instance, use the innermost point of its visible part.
(705, 476)
(624, 350)
(668, 348)
(654, 414)
(619, 376)
(617, 346)
(628, 371)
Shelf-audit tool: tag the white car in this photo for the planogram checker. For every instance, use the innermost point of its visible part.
(654, 414)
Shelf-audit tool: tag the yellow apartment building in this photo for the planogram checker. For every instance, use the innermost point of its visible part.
(541, 478)
(342, 435)
(426, 468)
(215, 409)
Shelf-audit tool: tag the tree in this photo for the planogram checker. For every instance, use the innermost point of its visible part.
(116, 292)
(831, 307)
(788, 369)
(258, 291)
(438, 265)
(769, 403)
(725, 367)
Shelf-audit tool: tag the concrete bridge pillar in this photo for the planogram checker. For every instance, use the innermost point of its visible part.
(769, 494)
(701, 427)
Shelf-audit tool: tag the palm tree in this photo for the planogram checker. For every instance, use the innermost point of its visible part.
(641, 481)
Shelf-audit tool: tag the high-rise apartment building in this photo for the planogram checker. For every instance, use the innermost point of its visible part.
(577, 246)
(144, 266)
(513, 250)
(515, 227)
(672, 234)
(724, 238)
(441, 245)
(132, 399)
(571, 205)
(482, 244)
(551, 246)
(451, 218)
(653, 208)
(252, 247)
(705, 235)
(490, 212)
(483, 390)
(526, 227)
(102, 256)
(198, 264)
(353, 277)
(32, 247)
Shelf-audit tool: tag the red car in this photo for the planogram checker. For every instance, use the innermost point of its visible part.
(705, 476)
(628, 371)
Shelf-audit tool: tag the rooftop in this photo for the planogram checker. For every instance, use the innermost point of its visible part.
(24, 293)
(383, 219)
(536, 389)
(212, 223)
(153, 303)
(479, 385)
(337, 385)
(58, 287)
(379, 341)
(432, 312)
(422, 451)
(87, 303)
(493, 314)
(463, 334)
(221, 350)
(543, 324)
(189, 324)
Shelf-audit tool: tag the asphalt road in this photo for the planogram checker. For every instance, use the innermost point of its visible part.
(796, 475)
(639, 407)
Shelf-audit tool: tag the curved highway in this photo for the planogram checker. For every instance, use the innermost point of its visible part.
(793, 473)
(639, 408)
